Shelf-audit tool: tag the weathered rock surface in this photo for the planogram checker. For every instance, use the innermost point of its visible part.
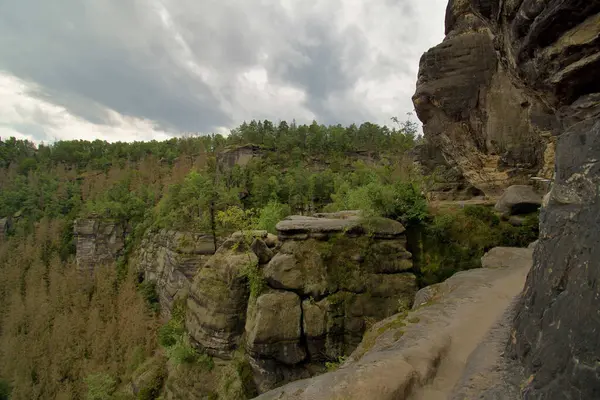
(506, 257)
(485, 123)
(241, 156)
(338, 273)
(518, 200)
(98, 242)
(314, 292)
(171, 259)
(273, 327)
(514, 86)
(417, 355)
(218, 298)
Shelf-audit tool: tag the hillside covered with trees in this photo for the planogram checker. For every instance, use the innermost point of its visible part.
(62, 337)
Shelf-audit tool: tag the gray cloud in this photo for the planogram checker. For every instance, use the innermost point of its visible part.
(178, 62)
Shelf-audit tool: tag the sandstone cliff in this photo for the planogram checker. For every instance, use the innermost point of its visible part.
(98, 242)
(171, 259)
(300, 301)
(513, 88)
(488, 125)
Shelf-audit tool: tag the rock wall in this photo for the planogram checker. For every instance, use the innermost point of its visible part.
(556, 49)
(512, 89)
(98, 242)
(171, 259)
(295, 302)
(489, 126)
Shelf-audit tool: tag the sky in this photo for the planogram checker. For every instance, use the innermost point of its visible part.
(152, 69)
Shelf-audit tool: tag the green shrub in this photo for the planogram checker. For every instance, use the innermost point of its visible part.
(457, 240)
(256, 281)
(271, 214)
(100, 386)
(401, 201)
(148, 291)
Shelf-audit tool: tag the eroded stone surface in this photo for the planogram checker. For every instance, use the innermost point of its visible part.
(518, 200)
(171, 259)
(218, 298)
(98, 242)
(402, 354)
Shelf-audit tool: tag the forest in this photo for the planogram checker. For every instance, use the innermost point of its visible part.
(64, 338)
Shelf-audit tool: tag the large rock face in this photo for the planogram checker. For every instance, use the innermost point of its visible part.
(300, 300)
(403, 353)
(332, 276)
(508, 76)
(218, 299)
(171, 259)
(98, 242)
(486, 124)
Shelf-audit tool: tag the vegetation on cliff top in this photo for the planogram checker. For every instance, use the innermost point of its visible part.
(63, 337)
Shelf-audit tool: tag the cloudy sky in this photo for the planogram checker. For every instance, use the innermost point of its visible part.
(143, 69)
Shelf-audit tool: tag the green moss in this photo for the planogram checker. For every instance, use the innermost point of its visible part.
(371, 336)
(256, 280)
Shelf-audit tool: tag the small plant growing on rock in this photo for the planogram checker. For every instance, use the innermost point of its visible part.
(334, 365)
(256, 281)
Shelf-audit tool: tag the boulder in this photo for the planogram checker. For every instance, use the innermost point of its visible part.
(262, 251)
(271, 240)
(218, 299)
(301, 227)
(500, 257)
(519, 199)
(273, 328)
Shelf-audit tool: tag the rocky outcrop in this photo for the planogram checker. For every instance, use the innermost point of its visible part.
(402, 354)
(489, 126)
(518, 200)
(336, 273)
(302, 299)
(98, 241)
(171, 259)
(218, 299)
(512, 88)
(241, 156)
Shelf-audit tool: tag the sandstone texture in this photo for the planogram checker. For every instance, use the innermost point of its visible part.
(240, 156)
(98, 242)
(299, 300)
(489, 128)
(419, 354)
(171, 259)
(518, 200)
(218, 299)
(512, 91)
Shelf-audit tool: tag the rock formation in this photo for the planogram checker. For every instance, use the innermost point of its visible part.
(98, 242)
(486, 123)
(241, 155)
(295, 302)
(403, 353)
(517, 200)
(171, 260)
(514, 86)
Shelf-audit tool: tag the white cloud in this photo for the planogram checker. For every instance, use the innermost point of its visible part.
(149, 68)
(24, 116)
